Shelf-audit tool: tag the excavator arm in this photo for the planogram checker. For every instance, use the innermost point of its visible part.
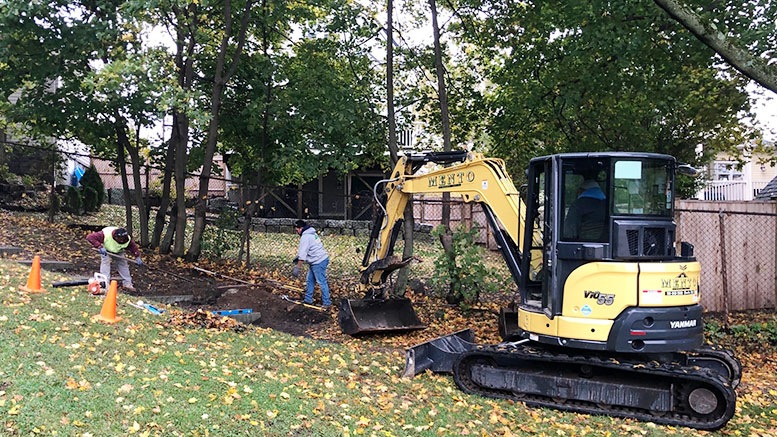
(471, 176)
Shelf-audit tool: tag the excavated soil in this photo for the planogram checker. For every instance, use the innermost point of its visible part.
(163, 276)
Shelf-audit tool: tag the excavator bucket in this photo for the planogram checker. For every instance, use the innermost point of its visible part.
(363, 316)
(508, 324)
(438, 355)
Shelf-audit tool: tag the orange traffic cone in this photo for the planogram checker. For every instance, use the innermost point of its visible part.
(108, 313)
(33, 282)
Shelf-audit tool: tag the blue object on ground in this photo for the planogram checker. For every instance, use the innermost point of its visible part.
(232, 312)
(156, 311)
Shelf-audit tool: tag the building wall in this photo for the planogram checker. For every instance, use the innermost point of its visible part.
(112, 178)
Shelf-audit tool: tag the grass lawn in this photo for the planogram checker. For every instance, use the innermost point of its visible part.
(63, 374)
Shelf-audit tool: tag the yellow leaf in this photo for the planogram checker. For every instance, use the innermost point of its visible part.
(192, 400)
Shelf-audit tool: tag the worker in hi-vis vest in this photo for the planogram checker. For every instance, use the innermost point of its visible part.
(113, 240)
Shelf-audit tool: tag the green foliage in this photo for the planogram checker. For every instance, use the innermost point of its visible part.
(595, 76)
(318, 94)
(219, 239)
(73, 201)
(155, 188)
(28, 181)
(5, 174)
(761, 333)
(91, 179)
(91, 199)
(464, 276)
(765, 332)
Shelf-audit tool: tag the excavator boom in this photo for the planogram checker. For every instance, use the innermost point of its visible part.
(472, 177)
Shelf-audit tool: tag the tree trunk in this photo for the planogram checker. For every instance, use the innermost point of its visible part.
(220, 80)
(407, 252)
(392, 123)
(252, 208)
(401, 284)
(164, 202)
(751, 66)
(121, 133)
(244, 207)
(444, 115)
(167, 241)
(180, 183)
(122, 163)
(446, 239)
(186, 29)
(52, 194)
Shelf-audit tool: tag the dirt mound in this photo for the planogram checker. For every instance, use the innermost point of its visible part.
(276, 313)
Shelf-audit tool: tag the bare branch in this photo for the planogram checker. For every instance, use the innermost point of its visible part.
(751, 66)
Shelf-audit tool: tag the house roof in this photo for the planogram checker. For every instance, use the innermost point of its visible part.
(769, 191)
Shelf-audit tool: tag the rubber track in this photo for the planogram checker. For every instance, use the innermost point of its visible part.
(724, 355)
(689, 374)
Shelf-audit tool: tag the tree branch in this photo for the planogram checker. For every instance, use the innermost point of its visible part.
(751, 66)
(240, 40)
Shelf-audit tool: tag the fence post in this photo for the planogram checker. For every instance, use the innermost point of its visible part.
(723, 272)
(299, 201)
(52, 194)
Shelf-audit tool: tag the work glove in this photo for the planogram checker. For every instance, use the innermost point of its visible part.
(103, 252)
(294, 261)
(138, 261)
(295, 272)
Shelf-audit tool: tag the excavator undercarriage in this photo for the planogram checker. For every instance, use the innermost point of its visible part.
(663, 392)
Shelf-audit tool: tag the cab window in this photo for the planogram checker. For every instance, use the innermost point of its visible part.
(642, 187)
(584, 196)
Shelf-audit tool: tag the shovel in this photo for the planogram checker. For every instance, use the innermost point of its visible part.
(296, 302)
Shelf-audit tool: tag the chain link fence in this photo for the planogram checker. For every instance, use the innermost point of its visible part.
(274, 242)
(736, 244)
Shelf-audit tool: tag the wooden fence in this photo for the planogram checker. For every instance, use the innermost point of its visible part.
(736, 244)
(428, 210)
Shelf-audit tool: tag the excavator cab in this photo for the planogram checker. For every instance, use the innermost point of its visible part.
(601, 232)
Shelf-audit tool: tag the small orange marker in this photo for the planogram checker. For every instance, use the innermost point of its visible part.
(108, 313)
(33, 282)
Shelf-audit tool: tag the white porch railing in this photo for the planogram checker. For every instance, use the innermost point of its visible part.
(725, 190)
(730, 190)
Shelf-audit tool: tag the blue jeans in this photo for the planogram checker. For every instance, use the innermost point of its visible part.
(317, 273)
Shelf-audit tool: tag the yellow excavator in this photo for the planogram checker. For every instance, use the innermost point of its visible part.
(609, 320)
